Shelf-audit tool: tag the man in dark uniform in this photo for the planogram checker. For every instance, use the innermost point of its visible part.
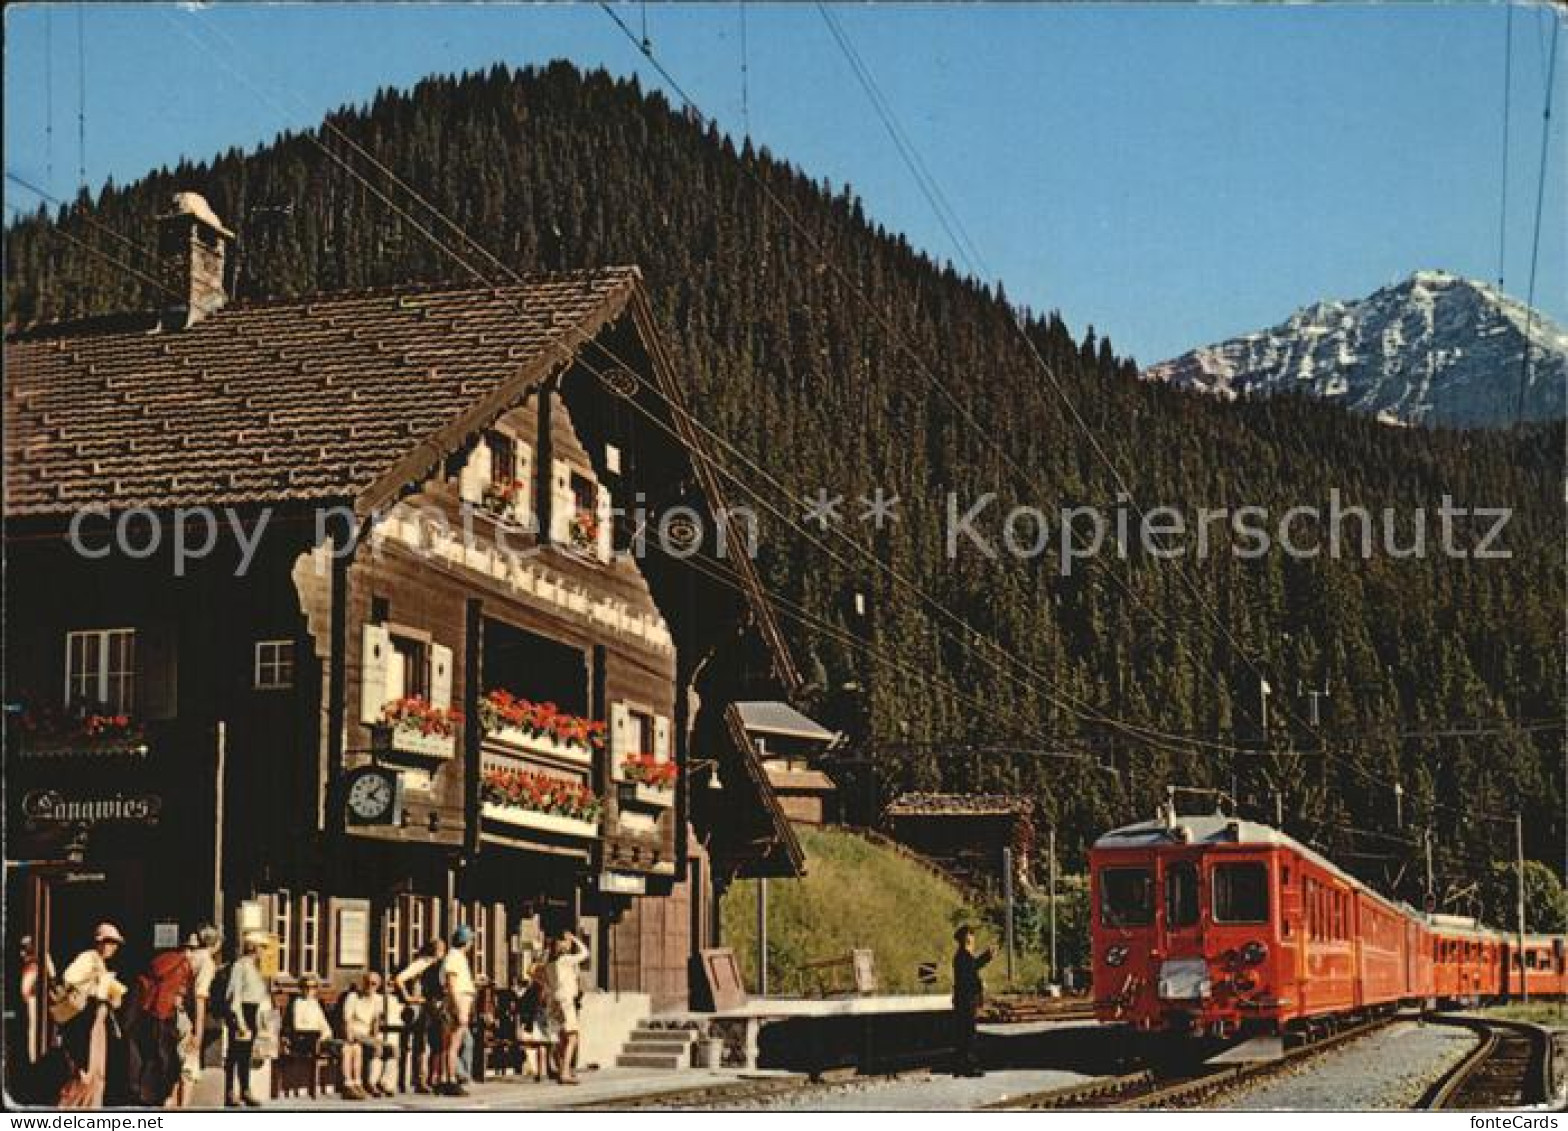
(968, 993)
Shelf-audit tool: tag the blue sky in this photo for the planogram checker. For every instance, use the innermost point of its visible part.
(1172, 175)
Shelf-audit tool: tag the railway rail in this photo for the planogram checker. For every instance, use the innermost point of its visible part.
(731, 1093)
(1508, 1068)
(1152, 1089)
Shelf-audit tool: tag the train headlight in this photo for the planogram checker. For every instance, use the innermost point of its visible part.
(1254, 953)
(1116, 955)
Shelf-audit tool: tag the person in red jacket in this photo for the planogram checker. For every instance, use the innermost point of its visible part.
(153, 1058)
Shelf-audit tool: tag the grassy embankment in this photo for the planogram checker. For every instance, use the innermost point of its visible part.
(857, 893)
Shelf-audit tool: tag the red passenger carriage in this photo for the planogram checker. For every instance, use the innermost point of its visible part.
(1216, 925)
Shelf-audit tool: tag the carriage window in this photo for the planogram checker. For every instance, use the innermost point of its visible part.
(1126, 897)
(1241, 893)
(1181, 895)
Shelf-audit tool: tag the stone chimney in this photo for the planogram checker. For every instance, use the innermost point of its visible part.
(193, 244)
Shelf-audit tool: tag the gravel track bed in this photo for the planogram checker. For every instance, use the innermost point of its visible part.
(937, 1092)
(1387, 1071)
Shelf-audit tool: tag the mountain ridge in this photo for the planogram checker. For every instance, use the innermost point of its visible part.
(1433, 348)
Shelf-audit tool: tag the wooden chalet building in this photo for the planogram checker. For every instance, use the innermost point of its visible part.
(415, 679)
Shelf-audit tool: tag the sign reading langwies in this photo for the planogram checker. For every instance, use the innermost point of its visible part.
(51, 806)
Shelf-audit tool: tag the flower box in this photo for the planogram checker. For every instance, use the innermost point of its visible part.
(655, 797)
(539, 726)
(406, 741)
(542, 822)
(649, 771)
(519, 739)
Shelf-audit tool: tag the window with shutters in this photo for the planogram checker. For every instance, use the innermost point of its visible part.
(310, 933)
(392, 957)
(100, 670)
(274, 667)
(583, 528)
(480, 920)
(640, 732)
(418, 928)
(411, 667)
(283, 928)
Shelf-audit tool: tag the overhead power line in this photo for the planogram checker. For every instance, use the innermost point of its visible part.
(1535, 235)
(973, 635)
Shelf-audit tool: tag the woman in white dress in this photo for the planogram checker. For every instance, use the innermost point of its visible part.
(93, 985)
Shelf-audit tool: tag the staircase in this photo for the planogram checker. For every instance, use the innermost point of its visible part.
(659, 1044)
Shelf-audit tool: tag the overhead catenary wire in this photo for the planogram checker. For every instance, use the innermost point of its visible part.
(484, 280)
(948, 396)
(1535, 236)
(81, 96)
(1508, 83)
(675, 85)
(428, 235)
(978, 267)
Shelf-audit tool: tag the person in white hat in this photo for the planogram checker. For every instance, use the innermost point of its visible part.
(91, 986)
(247, 994)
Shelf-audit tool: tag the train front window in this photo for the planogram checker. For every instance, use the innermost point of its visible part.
(1241, 893)
(1126, 897)
(1181, 895)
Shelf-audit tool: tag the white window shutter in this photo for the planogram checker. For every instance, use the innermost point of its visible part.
(374, 654)
(440, 675)
(523, 509)
(475, 475)
(661, 738)
(602, 514)
(620, 733)
(562, 503)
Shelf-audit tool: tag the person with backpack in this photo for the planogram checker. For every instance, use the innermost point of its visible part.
(420, 984)
(152, 1028)
(201, 948)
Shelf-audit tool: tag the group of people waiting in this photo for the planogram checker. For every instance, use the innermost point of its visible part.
(144, 1036)
(153, 1029)
(440, 995)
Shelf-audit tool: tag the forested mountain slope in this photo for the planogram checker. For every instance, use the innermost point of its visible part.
(813, 348)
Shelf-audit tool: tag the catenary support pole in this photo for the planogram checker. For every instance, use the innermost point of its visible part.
(1007, 904)
(762, 936)
(1524, 987)
(1051, 849)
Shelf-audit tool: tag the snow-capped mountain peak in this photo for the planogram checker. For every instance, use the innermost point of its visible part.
(1434, 348)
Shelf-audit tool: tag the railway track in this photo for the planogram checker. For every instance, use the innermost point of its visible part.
(1506, 1069)
(1149, 1089)
(732, 1093)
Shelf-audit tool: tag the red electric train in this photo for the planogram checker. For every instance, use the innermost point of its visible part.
(1215, 925)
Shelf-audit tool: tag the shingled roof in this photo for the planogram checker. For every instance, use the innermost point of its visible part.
(264, 402)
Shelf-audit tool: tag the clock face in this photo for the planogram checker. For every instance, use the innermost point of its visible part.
(370, 796)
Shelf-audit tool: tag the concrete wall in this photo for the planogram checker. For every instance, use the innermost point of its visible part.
(607, 1021)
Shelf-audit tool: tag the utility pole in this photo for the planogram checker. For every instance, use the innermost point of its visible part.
(1524, 988)
(1399, 805)
(1055, 976)
(762, 936)
(1007, 903)
(1431, 893)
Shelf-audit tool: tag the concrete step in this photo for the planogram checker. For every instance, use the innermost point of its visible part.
(666, 1061)
(636, 1046)
(673, 1036)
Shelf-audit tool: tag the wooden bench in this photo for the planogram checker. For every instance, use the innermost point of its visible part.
(302, 1064)
(826, 975)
